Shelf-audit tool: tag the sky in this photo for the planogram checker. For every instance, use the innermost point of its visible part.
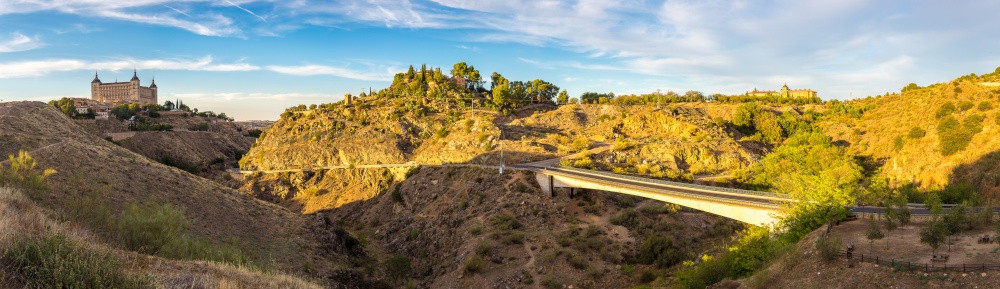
(252, 59)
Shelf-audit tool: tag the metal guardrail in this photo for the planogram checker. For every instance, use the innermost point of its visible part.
(683, 185)
(696, 196)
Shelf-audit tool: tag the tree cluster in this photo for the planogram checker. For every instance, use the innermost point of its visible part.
(68, 108)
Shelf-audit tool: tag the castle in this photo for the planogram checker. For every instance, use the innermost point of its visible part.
(785, 93)
(123, 92)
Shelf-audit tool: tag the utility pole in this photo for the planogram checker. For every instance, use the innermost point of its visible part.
(501, 150)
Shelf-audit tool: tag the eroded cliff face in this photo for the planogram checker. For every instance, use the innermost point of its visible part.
(680, 141)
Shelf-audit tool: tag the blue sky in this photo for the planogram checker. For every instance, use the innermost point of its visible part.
(251, 59)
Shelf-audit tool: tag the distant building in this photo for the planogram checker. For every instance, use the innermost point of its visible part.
(123, 92)
(784, 92)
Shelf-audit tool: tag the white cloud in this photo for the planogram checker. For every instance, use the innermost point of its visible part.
(313, 69)
(19, 42)
(140, 11)
(43, 67)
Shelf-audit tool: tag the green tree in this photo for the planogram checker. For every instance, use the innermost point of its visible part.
(744, 115)
(933, 203)
(810, 168)
(874, 232)
(563, 97)
(934, 234)
(767, 124)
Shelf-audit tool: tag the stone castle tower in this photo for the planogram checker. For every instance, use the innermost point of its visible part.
(123, 92)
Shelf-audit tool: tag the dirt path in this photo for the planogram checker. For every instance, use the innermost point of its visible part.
(5, 161)
(530, 266)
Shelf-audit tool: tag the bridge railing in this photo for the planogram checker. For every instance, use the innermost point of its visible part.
(682, 185)
(697, 196)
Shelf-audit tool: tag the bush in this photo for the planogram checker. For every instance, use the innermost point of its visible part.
(397, 267)
(148, 228)
(473, 264)
(396, 195)
(897, 143)
(660, 251)
(973, 123)
(828, 247)
(628, 218)
(985, 105)
(484, 248)
(54, 261)
(575, 261)
(965, 105)
(505, 222)
(581, 143)
(954, 137)
(20, 173)
(916, 133)
(946, 109)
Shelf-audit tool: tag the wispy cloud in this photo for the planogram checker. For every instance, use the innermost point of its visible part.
(140, 11)
(313, 69)
(43, 67)
(19, 42)
(246, 10)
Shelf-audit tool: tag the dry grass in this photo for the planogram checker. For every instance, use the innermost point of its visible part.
(278, 236)
(20, 218)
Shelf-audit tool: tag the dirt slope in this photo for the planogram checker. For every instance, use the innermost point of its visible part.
(441, 218)
(86, 162)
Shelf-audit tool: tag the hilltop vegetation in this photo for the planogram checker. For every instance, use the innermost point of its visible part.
(930, 137)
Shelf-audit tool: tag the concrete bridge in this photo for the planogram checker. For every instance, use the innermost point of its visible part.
(752, 207)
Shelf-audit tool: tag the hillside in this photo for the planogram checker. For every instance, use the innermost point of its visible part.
(97, 172)
(21, 219)
(680, 141)
(934, 137)
(472, 228)
(199, 152)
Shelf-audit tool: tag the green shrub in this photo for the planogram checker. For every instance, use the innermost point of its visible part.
(484, 248)
(188, 247)
(973, 123)
(954, 137)
(54, 261)
(505, 222)
(397, 267)
(659, 251)
(628, 218)
(147, 228)
(897, 143)
(20, 173)
(396, 195)
(576, 261)
(828, 247)
(476, 229)
(473, 265)
(512, 237)
(581, 143)
(965, 105)
(916, 133)
(946, 109)
(985, 105)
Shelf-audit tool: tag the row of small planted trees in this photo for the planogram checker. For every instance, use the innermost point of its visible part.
(941, 226)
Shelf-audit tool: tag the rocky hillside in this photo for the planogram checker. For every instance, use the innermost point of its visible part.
(459, 227)
(934, 136)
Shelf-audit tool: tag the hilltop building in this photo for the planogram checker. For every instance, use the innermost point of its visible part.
(123, 92)
(784, 92)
